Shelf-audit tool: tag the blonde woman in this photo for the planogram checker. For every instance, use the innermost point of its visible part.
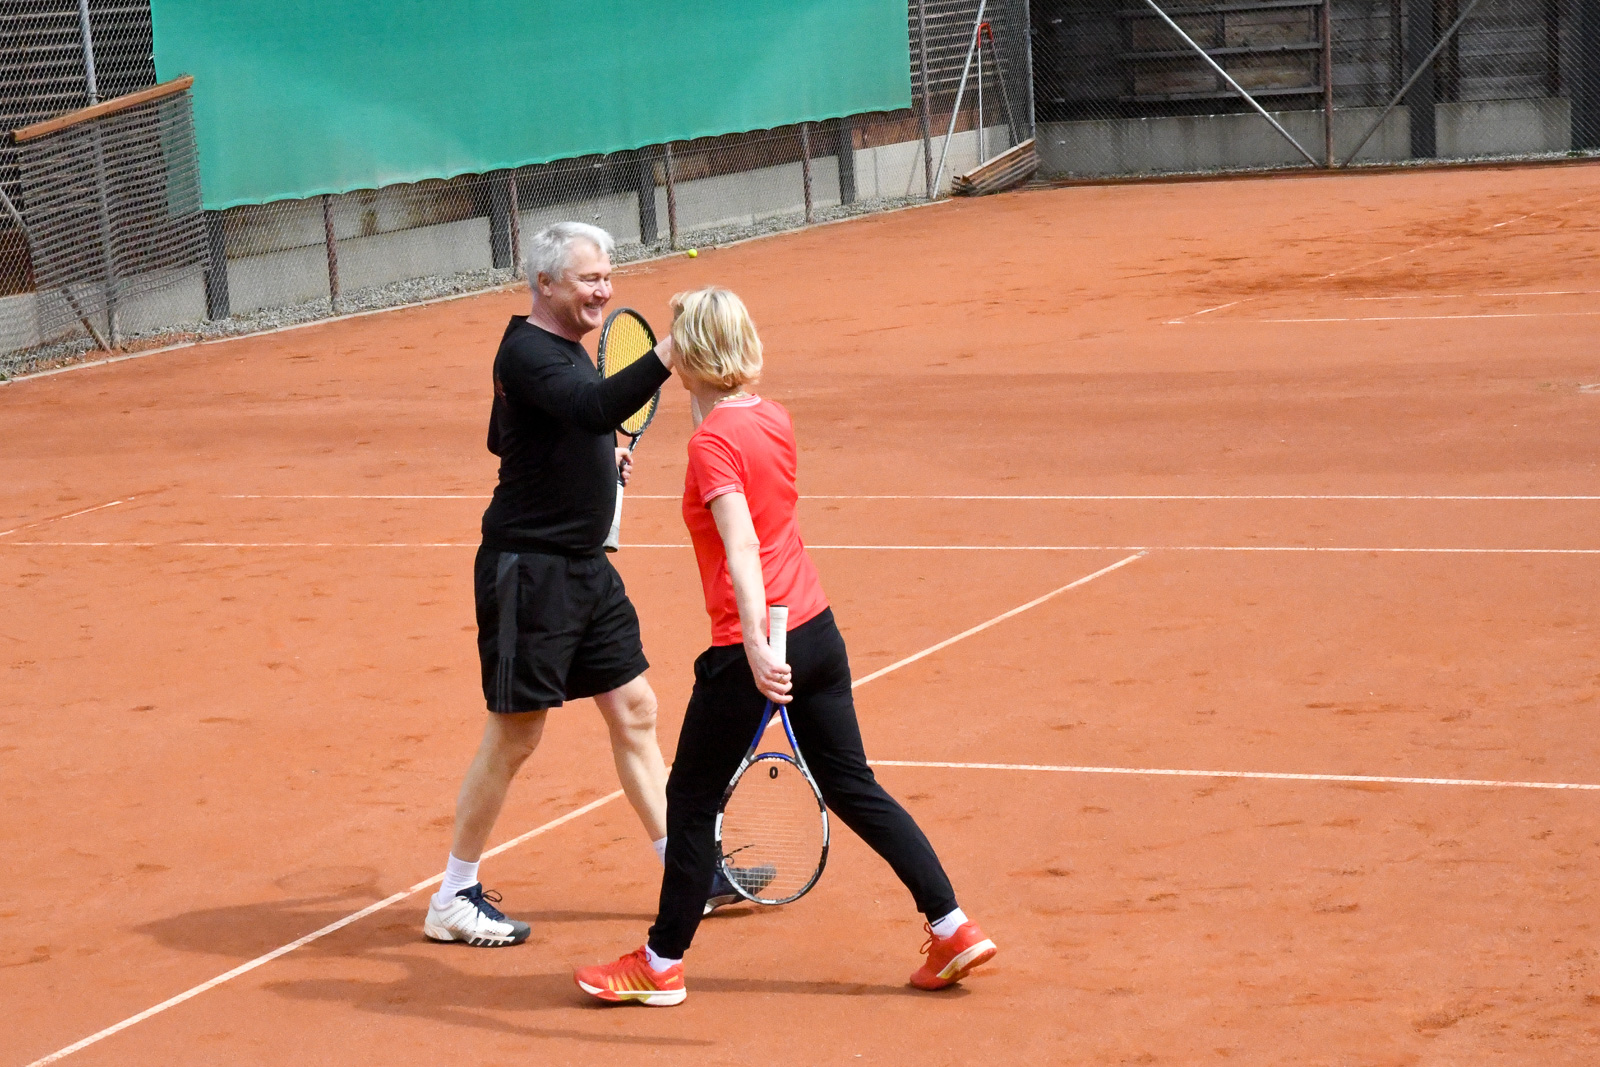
(739, 504)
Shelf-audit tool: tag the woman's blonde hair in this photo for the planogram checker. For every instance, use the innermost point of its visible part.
(714, 339)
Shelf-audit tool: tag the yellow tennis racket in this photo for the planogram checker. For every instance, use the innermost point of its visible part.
(624, 339)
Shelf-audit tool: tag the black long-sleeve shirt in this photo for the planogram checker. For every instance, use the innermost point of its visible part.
(553, 425)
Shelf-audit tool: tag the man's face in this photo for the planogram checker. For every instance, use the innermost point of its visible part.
(577, 299)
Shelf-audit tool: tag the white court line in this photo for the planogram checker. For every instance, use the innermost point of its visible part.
(835, 548)
(1183, 319)
(952, 496)
(395, 898)
(59, 518)
(1436, 318)
(947, 642)
(1267, 775)
(1475, 296)
(245, 968)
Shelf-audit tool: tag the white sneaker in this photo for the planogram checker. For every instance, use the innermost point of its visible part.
(471, 916)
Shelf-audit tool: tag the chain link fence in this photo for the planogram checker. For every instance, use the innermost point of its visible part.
(263, 266)
(1131, 87)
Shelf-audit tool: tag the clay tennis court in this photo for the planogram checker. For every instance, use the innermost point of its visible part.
(1339, 432)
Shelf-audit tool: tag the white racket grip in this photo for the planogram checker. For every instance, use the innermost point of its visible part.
(778, 631)
(614, 538)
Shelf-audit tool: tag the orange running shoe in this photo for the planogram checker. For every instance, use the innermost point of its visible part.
(951, 958)
(632, 978)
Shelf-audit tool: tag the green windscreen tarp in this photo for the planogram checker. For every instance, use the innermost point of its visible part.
(298, 97)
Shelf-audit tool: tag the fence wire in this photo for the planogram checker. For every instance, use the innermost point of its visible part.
(262, 266)
(112, 212)
(1129, 87)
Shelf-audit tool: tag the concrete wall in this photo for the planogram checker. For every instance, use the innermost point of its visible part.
(298, 275)
(895, 170)
(178, 301)
(1503, 127)
(617, 214)
(1236, 142)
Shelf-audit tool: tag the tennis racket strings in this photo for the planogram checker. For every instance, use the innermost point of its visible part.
(772, 828)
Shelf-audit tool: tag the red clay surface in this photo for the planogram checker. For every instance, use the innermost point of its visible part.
(237, 704)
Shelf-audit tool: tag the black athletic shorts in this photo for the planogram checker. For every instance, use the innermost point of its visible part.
(552, 629)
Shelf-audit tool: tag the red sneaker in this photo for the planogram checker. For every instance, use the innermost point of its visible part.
(951, 958)
(632, 978)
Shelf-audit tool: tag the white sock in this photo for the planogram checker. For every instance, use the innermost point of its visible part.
(948, 925)
(660, 845)
(458, 875)
(660, 963)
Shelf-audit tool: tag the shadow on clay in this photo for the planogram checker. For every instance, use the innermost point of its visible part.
(432, 990)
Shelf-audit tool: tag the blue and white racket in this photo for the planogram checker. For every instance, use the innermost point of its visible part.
(772, 826)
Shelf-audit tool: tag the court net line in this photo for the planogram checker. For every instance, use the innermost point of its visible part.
(1379, 779)
(395, 898)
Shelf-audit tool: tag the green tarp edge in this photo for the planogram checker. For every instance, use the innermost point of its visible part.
(295, 98)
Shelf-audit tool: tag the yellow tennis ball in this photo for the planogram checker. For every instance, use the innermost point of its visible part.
(692, 253)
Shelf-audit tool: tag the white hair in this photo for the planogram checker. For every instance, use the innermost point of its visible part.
(550, 250)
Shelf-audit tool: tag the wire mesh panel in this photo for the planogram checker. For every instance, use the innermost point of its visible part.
(291, 261)
(112, 211)
(1171, 86)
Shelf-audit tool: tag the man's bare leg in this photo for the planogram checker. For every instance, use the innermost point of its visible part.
(460, 911)
(508, 741)
(630, 715)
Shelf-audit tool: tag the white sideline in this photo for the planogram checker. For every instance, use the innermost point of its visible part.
(340, 924)
(1267, 775)
(59, 518)
(963, 635)
(395, 898)
(946, 496)
(1137, 549)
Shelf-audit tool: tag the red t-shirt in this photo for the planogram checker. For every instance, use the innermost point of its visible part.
(747, 446)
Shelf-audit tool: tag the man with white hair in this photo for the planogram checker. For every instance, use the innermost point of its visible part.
(554, 621)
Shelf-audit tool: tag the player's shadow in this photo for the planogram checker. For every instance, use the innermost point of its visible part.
(245, 931)
(431, 989)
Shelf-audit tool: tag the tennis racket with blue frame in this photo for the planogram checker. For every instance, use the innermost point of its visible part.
(772, 826)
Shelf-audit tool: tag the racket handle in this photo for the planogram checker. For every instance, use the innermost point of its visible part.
(614, 538)
(778, 631)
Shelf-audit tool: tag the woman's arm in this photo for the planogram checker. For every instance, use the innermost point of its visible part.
(743, 547)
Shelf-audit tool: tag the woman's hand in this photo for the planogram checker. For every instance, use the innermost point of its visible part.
(772, 676)
(624, 465)
(664, 351)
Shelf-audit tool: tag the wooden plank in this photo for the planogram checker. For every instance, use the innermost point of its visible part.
(100, 110)
(1006, 171)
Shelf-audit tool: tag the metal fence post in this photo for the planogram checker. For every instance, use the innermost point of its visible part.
(672, 201)
(845, 152)
(1327, 85)
(333, 252)
(216, 278)
(516, 225)
(1586, 93)
(927, 105)
(1420, 99)
(107, 245)
(805, 167)
(643, 173)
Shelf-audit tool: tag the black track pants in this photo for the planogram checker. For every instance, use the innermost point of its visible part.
(722, 716)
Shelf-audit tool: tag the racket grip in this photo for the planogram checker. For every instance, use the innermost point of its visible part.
(778, 631)
(614, 538)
